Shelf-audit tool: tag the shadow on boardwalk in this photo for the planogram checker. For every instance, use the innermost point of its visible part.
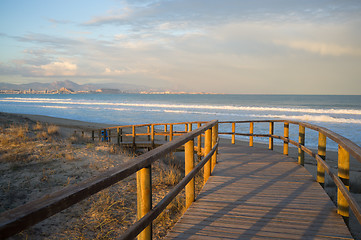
(256, 193)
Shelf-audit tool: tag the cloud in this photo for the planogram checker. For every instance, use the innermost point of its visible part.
(323, 49)
(63, 68)
(56, 21)
(117, 17)
(148, 14)
(237, 46)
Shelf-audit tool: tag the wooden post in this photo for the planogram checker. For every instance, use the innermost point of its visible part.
(121, 135)
(251, 132)
(217, 137)
(144, 199)
(118, 136)
(190, 127)
(344, 175)
(170, 132)
(189, 165)
(152, 135)
(233, 131)
(301, 140)
(322, 153)
(109, 134)
(133, 136)
(186, 127)
(214, 141)
(165, 130)
(93, 136)
(148, 131)
(270, 140)
(286, 132)
(100, 135)
(199, 143)
(207, 149)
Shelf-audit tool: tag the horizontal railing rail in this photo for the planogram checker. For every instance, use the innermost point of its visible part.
(345, 148)
(20, 218)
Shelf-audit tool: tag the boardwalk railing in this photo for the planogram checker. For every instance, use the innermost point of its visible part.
(144, 135)
(20, 218)
(345, 149)
(14, 221)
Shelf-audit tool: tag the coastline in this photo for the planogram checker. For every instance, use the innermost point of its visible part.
(61, 122)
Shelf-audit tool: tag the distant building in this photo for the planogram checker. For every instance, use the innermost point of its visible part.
(64, 90)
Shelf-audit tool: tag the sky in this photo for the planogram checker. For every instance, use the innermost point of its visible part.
(229, 46)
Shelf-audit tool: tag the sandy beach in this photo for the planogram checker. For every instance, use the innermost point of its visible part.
(41, 154)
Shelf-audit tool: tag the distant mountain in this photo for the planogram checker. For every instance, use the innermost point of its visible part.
(124, 87)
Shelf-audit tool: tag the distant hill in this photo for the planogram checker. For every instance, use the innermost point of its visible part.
(123, 87)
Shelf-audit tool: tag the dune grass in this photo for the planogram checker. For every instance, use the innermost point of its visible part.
(36, 160)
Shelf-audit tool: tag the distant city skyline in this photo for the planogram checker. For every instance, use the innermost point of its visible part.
(245, 47)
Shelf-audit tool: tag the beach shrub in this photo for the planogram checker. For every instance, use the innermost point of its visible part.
(38, 126)
(53, 130)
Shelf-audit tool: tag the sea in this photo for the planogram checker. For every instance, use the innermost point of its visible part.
(341, 114)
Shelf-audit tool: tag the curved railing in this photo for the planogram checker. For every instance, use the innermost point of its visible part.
(27, 215)
(20, 218)
(345, 148)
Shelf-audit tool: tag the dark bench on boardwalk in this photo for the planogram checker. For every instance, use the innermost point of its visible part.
(251, 193)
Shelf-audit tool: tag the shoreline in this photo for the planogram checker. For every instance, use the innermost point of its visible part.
(61, 122)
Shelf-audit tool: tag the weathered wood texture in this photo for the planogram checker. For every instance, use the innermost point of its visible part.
(257, 194)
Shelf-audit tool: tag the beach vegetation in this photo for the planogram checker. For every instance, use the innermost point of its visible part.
(38, 126)
(53, 130)
(37, 159)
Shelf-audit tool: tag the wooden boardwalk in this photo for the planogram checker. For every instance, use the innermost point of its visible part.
(260, 194)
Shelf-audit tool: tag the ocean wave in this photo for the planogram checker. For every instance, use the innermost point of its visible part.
(62, 107)
(174, 107)
(311, 118)
(37, 99)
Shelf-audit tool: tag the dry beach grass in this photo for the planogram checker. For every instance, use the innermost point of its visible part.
(40, 158)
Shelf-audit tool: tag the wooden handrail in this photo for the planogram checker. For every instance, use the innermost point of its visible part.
(349, 146)
(137, 227)
(156, 124)
(20, 218)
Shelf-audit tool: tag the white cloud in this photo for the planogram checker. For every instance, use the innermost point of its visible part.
(63, 68)
(320, 48)
(127, 71)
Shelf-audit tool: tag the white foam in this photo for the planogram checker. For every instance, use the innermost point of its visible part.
(37, 99)
(61, 107)
(171, 107)
(312, 118)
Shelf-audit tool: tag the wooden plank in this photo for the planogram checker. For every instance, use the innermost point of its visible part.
(256, 193)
